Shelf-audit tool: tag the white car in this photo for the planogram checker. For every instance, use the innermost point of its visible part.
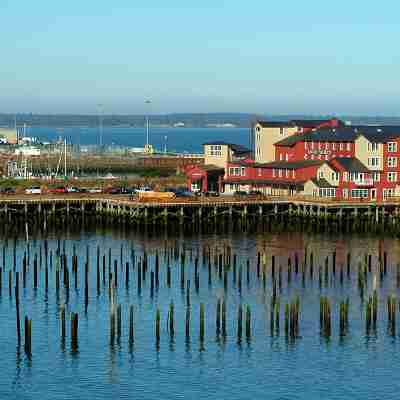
(94, 190)
(33, 190)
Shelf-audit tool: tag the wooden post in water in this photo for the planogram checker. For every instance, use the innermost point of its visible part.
(202, 323)
(223, 312)
(17, 307)
(28, 337)
(187, 324)
(240, 323)
(10, 283)
(171, 320)
(131, 336)
(158, 320)
(62, 318)
(248, 323)
(74, 331)
(119, 322)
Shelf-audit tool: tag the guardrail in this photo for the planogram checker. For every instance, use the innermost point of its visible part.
(249, 199)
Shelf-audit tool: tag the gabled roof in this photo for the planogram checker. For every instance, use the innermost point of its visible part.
(379, 134)
(351, 164)
(321, 135)
(290, 165)
(312, 123)
(237, 148)
(321, 183)
(275, 124)
(303, 123)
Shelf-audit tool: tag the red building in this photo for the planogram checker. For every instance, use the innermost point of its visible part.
(317, 158)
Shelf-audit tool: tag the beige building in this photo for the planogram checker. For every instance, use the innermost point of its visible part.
(8, 135)
(266, 134)
(220, 153)
(369, 153)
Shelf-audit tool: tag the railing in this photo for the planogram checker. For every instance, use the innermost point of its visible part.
(364, 182)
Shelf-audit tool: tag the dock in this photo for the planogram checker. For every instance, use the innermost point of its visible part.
(198, 209)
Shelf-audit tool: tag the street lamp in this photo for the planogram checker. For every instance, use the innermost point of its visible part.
(100, 114)
(147, 122)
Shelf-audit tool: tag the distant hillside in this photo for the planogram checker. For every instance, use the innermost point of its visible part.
(188, 120)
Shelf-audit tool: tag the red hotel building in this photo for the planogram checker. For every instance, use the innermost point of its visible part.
(315, 158)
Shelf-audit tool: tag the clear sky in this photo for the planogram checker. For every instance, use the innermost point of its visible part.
(258, 56)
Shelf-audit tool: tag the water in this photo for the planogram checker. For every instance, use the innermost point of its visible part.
(356, 367)
(178, 139)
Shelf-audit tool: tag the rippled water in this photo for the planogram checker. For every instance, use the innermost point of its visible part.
(355, 367)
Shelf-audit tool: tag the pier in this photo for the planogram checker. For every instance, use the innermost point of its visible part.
(347, 215)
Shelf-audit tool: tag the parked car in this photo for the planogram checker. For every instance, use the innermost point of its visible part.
(72, 189)
(58, 190)
(255, 193)
(94, 190)
(184, 193)
(144, 189)
(7, 190)
(33, 190)
(240, 193)
(211, 193)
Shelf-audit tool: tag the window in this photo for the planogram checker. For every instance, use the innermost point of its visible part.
(281, 157)
(388, 193)
(333, 146)
(287, 157)
(345, 176)
(345, 193)
(237, 171)
(312, 145)
(392, 147)
(215, 150)
(305, 145)
(348, 146)
(320, 174)
(392, 162)
(340, 146)
(335, 176)
(373, 161)
(327, 192)
(287, 173)
(372, 146)
(293, 173)
(376, 176)
(359, 193)
(259, 171)
(392, 176)
(273, 172)
(282, 131)
(280, 173)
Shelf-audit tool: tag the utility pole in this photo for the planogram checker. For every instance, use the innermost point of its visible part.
(100, 113)
(147, 122)
(65, 158)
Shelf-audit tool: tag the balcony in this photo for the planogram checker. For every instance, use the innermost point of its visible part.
(364, 182)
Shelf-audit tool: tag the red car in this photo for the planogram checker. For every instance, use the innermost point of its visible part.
(57, 190)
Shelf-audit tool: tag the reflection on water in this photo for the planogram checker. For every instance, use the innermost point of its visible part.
(264, 363)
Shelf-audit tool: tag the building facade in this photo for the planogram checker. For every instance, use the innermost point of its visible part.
(323, 158)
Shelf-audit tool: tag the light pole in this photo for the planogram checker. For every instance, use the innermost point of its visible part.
(147, 122)
(100, 113)
(165, 144)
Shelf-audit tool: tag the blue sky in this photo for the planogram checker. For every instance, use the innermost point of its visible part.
(251, 56)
